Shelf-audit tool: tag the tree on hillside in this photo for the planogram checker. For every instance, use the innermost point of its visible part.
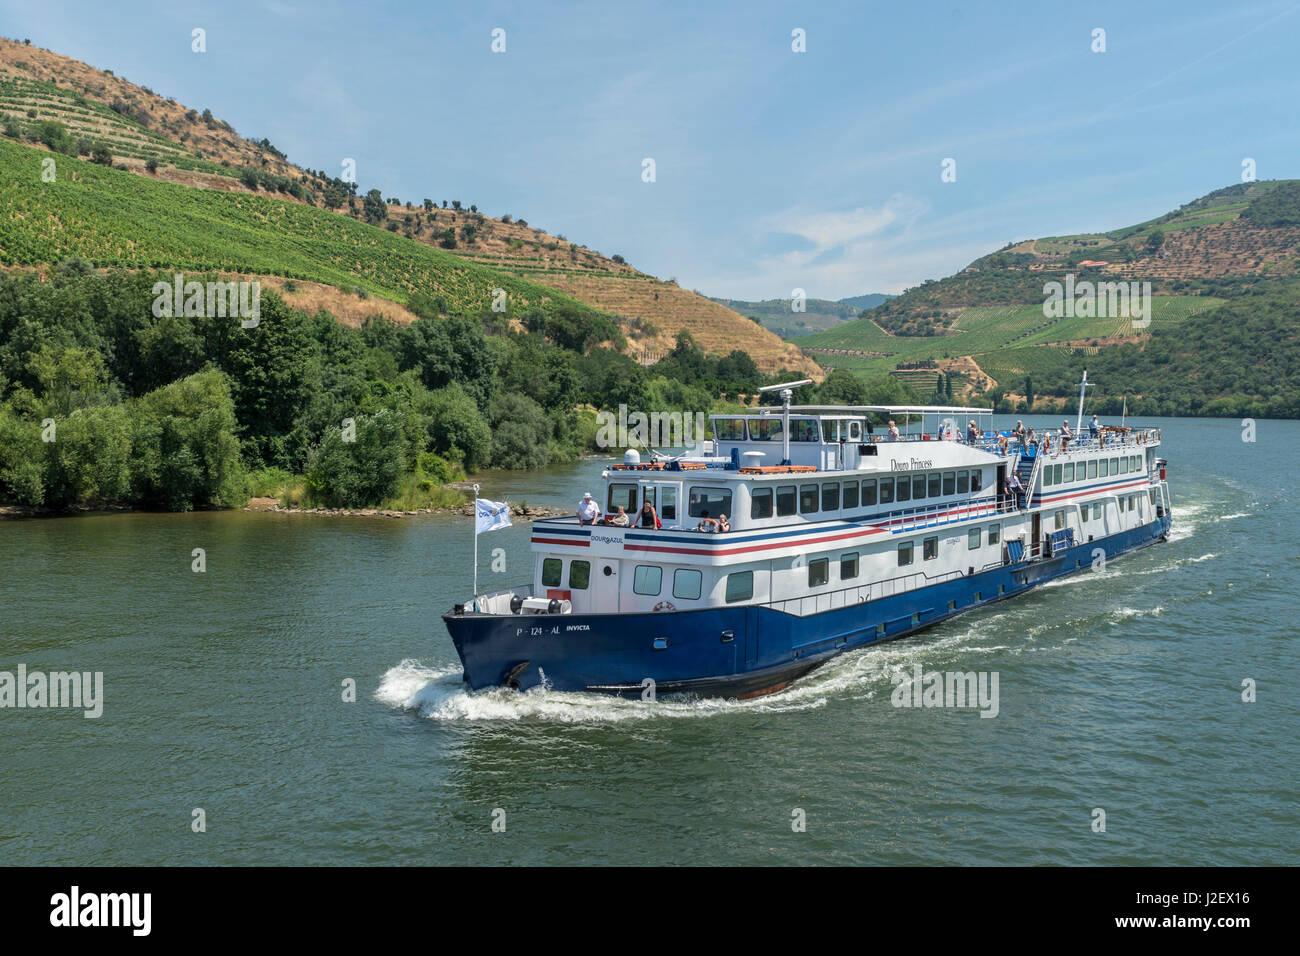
(373, 206)
(842, 387)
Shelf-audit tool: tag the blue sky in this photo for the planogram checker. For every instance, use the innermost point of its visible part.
(774, 169)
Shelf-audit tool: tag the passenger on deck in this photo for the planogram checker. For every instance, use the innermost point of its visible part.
(1019, 432)
(1016, 488)
(893, 431)
(588, 510)
(1094, 427)
(706, 523)
(972, 433)
(723, 523)
(1066, 435)
(621, 519)
(1002, 443)
(1032, 440)
(647, 517)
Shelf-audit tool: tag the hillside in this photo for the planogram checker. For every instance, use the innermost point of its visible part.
(991, 316)
(71, 107)
(778, 315)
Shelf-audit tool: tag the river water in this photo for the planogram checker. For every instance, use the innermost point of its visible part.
(1120, 690)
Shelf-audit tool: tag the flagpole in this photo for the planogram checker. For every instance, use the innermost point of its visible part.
(474, 596)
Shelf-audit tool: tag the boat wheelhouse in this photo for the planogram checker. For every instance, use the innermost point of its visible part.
(841, 534)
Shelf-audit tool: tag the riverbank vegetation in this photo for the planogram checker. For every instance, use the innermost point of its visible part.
(103, 403)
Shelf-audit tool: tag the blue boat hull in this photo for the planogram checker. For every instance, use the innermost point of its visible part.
(734, 651)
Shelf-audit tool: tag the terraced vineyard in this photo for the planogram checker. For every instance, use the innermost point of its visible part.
(87, 119)
(112, 217)
(987, 334)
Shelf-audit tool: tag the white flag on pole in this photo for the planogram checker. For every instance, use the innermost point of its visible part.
(490, 515)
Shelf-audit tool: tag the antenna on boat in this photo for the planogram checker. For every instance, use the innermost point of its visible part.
(787, 392)
(1078, 422)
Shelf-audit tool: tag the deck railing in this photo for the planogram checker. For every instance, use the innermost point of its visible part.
(858, 594)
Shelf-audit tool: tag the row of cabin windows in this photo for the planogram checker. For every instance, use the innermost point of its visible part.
(930, 545)
(1096, 468)
(766, 429)
(848, 495)
(1094, 510)
(553, 572)
(647, 579)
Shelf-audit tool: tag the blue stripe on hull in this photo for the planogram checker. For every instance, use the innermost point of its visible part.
(767, 650)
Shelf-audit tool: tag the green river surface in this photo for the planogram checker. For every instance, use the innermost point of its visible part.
(223, 690)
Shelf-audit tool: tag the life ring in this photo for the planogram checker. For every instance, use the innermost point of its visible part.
(708, 524)
(665, 606)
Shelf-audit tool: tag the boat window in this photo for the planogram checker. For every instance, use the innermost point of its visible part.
(1092, 468)
(668, 507)
(621, 494)
(855, 431)
(740, 586)
(1083, 512)
(973, 539)
(903, 489)
(716, 501)
(886, 491)
(949, 482)
(850, 495)
(760, 503)
(936, 485)
(963, 482)
(904, 554)
(785, 500)
(1132, 502)
(647, 579)
(977, 479)
(1058, 520)
(579, 575)
(686, 584)
(807, 499)
(804, 429)
(831, 496)
(869, 492)
(1057, 472)
(1114, 466)
(848, 566)
(729, 429)
(1069, 472)
(819, 572)
(995, 533)
(1123, 465)
(764, 429)
(918, 487)
(551, 569)
(930, 548)
(1047, 476)
(1137, 462)
(1102, 468)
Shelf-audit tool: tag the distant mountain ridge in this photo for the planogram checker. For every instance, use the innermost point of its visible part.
(779, 316)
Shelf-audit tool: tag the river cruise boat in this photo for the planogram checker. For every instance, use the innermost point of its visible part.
(842, 534)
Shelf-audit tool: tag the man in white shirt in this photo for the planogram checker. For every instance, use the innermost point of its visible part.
(588, 510)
